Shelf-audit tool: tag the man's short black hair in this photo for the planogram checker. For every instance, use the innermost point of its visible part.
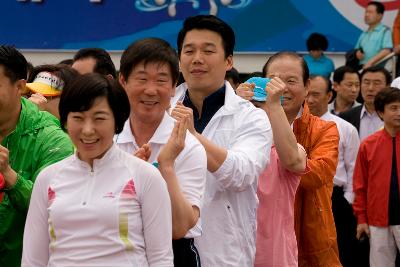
(338, 74)
(211, 23)
(380, 8)
(385, 97)
(150, 50)
(388, 76)
(290, 54)
(68, 62)
(317, 41)
(233, 74)
(104, 64)
(14, 63)
(80, 94)
(254, 74)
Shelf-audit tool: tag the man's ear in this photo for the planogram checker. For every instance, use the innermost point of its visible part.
(109, 77)
(330, 95)
(121, 80)
(335, 86)
(173, 90)
(229, 62)
(380, 114)
(21, 86)
(307, 86)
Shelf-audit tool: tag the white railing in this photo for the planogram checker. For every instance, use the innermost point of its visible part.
(390, 57)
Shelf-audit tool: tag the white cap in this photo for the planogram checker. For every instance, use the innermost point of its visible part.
(396, 83)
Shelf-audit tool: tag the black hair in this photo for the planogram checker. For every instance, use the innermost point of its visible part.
(104, 64)
(14, 63)
(80, 94)
(149, 50)
(233, 74)
(211, 23)
(380, 8)
(181, 79)
(68, 62)
(62, 71)
(254, 74)
(29, 69)
(386, 96)
(338, 74)
(388, 76)
(293, 55)
(317, 41)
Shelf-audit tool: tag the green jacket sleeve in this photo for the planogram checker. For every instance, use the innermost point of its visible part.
(52, 146)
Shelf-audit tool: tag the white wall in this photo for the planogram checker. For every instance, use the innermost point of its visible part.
(244, 62)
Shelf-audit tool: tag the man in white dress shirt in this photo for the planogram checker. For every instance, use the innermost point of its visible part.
(149, 72)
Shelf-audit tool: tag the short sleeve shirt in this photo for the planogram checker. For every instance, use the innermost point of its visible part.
(373, 41)
(322, 66)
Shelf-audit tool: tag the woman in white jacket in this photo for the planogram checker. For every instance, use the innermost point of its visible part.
(100, 206)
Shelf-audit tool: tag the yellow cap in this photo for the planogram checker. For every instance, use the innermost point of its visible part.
(47, 84)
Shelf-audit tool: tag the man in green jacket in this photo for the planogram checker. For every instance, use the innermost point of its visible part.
(30, 140)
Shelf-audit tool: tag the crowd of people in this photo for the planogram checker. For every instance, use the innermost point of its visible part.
(172, 161)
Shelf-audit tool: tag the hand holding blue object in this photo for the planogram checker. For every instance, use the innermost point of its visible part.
(259, 89)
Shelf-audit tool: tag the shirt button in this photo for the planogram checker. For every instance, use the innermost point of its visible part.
(84, 203)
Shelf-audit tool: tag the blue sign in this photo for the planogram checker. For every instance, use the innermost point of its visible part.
(260, 25)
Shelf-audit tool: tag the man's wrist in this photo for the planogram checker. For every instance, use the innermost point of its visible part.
(192, 131)
(166, 170)
(273, 107)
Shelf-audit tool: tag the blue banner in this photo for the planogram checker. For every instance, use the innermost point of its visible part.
(260, 25)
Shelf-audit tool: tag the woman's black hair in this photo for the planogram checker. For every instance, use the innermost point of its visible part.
(80, 94)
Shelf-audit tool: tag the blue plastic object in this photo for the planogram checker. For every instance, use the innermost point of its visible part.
(259, 91)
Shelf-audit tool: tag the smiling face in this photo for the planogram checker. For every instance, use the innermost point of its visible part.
(149, 88)
(92, 131)
(289, 69)
(202, 61)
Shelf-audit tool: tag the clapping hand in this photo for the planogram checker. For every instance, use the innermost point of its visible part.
(143, 152)
(175, 144)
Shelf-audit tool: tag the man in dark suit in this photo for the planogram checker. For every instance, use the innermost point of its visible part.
(364, 117)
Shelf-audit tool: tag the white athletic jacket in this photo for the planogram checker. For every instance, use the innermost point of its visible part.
(116, 214)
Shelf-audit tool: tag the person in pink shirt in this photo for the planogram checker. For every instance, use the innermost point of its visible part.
(276, 243)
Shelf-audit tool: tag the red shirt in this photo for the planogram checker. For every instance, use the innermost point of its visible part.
(371, 178)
